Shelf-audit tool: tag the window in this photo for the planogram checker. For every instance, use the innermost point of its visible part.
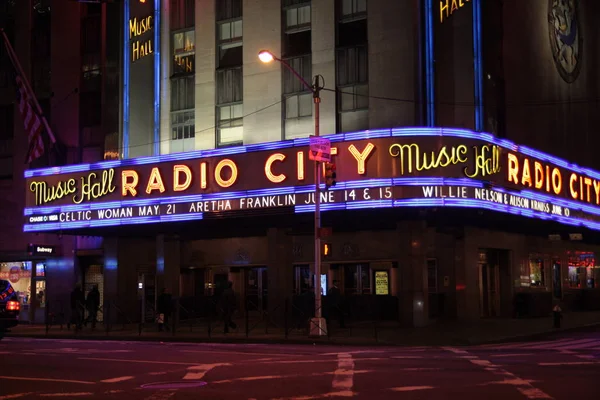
(584, 271)
(182, 108)
(357, 279)
(229, 9)
(91, 34)
(298, 98)
(230, 108)
(229, 37)
(353, 9)
(297, 15)
(537, 274)
(184, 47)
(352, 77)
(182, 14)
(303, 279)
(91, 73)
(230, 124)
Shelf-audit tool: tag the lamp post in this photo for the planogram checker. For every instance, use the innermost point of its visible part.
(318, 325)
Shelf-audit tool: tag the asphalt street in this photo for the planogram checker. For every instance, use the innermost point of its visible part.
(566, 367)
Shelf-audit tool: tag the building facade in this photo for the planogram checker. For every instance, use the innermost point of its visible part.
(210, 176)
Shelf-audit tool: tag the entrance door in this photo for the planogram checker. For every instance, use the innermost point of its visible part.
(256, 288)
(488, 290)
(556, 281)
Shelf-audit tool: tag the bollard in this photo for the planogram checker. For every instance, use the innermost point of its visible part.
(557, 316)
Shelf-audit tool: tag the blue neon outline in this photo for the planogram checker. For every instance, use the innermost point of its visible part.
(429, 64)
(477, 66)
(341, 137)
(157, 77)
(350, 205)
(126, 64)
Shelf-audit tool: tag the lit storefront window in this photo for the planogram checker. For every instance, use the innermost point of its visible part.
(537, 275)
(19, 276)
(584, 271)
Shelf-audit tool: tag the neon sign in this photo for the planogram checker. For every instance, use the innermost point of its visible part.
(448, 7)
(387, 168)
(137, 28)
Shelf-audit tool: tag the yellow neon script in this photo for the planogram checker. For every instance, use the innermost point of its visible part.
(45, 193)
(424, 161)
(140, 48)
(447, 7)
(92, 188)
(487, 161)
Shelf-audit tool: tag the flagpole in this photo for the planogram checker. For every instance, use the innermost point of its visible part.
(15, 61)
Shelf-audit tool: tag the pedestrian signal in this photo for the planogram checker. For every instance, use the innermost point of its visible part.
(326, 249)
(330, 175)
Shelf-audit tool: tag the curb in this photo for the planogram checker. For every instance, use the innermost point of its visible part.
(335, 341)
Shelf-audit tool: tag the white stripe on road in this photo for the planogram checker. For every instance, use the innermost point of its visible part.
(15, 396)
(201, 370)
(162, 395)
(455, 350)
(257, 378)
(554, 364)
(353, 352)
(511, 355)
(66, 394)
(119, 379)
(523, 386)
(240, 353)
(407, 357)
(343, 377)
(410, 388)
(26, 378)
(138, 361)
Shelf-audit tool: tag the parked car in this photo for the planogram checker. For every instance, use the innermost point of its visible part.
(9, 307)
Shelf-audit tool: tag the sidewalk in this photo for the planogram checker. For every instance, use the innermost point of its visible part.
(446, 333)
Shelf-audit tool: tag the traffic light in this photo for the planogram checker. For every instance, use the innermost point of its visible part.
(326, 251)
(330, 175)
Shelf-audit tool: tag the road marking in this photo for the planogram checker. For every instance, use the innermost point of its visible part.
(162, 395)
(266, 377)
(239, 353)
(405, 357)
(511, 355)
(26, 378)
(201, 370)
(410, 388)
(65, 394)
(352, 352)
(553, 364)
(343, 377)
(138, 361)
(455, 350)
(523, 386)
(119, 379)
(15, 396)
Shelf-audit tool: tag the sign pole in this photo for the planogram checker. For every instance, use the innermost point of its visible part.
(318, 326)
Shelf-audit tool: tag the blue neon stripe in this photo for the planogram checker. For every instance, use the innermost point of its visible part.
(429, 64)
(157, 77)
(126, 64)
(477, 66)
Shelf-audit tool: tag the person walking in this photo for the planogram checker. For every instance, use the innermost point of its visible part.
(77, 307)
(336, 303)
(92, 304)
(164, 308)
(228, 306)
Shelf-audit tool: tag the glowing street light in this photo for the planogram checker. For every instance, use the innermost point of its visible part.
(266, 56)
(318, 324)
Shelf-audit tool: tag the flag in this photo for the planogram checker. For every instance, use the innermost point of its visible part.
(31, 122)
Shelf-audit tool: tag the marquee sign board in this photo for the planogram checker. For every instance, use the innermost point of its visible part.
(409, 167)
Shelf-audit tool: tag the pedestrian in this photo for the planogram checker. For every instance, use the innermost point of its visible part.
(77, 307)
(557, 315)
(228, 305)
(335, 302)
(92, 304)
(164, 308)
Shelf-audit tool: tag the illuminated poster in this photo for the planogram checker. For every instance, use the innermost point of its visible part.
(407, 167)
(140, 77)
(382, 283)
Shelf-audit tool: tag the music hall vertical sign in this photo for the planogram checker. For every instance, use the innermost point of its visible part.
(140, 76)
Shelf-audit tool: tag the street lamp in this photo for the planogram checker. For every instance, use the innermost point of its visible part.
(318, 325)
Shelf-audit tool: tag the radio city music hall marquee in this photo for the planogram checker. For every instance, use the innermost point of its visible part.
(387, 168)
